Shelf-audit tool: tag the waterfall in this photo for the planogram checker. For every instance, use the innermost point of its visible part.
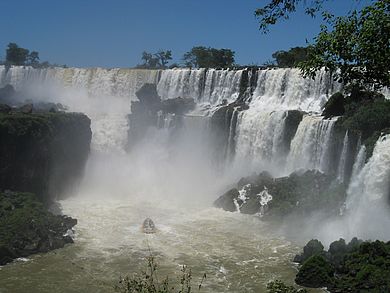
(260, 135)
(287, 89)
(359, 161)
(103, 94)
(209, 86)
(343, 159)
(368, 194)
(310, 148)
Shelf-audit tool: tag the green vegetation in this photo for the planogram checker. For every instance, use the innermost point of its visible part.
(364, 113)
(279, 287)
(354, 267)
(19, 56)
(355, 48)
(290, 58)
(315, 272)
(26, 227)
(203, 57)
(157, 60)
(281, 9)
(148, 281)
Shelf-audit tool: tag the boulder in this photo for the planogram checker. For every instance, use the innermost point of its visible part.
(299, 193)
(26, 109)
(4, 108)
(334, 106)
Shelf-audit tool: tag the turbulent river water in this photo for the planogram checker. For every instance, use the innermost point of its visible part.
(238, 253)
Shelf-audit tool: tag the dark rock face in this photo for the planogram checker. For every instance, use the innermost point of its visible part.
(5, 109)
(313, 247)
(334, 106)
(26, 227)
(7, 94)
(300, 193)
(147, 112)
(43, 153)
(227, 200)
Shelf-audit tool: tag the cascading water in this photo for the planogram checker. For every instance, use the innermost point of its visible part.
(343, 159)
(311, 145)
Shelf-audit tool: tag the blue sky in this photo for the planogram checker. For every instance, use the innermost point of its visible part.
(113, 33)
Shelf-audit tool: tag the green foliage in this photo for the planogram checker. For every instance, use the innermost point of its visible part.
(21, 212)
(19, 56)
(148, 281)
(366, 114)
(156, 60)
(290, 58)
(281, 9)
(366, 269)
(354, 267)
(315, 272)
(355, 48)
(209, 57)
(278, 286)
(16, 55)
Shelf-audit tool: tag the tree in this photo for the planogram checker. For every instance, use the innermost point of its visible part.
(33, 59)
(203, 57)
(164, 57)
(281, 9)
(356, 48)
(16, 55)
(156, 60)
(290, 58)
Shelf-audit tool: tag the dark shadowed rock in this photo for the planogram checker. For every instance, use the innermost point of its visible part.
(334, 106)
(43, 153)
(226, 201)
(313, 247)
(300, 193)
(4, 108)
(7, 94)
(26, 109)
(178, 106)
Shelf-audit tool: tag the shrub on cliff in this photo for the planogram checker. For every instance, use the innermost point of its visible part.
(315, 272)
(279, 287)
(354, 267)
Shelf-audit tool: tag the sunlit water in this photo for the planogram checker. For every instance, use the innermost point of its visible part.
(238, 253)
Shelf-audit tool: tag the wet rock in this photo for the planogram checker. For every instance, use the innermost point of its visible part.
(334, 106)
(26, 109)
(313, 247)
(226, 201)
(4, 108)
(43, 153)
(149, 110)
(178, 106)
(7, 94)
(300, 193)
(29, 228)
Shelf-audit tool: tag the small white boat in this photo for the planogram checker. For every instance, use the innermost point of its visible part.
(148, 226)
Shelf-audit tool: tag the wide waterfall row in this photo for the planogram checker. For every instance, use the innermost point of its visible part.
(271, 133)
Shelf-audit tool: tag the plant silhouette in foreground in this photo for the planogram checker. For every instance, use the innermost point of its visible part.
(148, 281)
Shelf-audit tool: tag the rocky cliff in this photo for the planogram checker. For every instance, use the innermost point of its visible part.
(43, 153)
